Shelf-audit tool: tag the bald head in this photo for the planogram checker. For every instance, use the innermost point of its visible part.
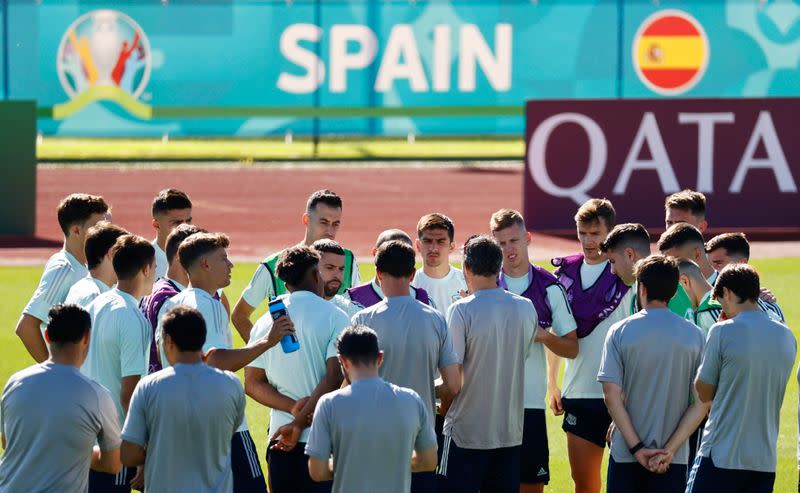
(393, 234)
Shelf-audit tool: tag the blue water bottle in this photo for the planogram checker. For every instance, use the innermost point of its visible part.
(289, 342)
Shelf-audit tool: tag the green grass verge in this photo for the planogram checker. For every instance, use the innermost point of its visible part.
(780, 275)
(69, 149)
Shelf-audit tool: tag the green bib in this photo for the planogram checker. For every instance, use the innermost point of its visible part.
(680, 304)
(278, 286)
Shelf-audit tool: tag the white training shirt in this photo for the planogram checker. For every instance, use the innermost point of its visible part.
(346, 305)
(60, 273)
(580, 374)
(85, 291)
(162, 265)
(442, 292)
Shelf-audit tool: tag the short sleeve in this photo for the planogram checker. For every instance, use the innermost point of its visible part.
(320, 439)
(52, 289)
(133, 351)
(135, 429)
(457, 329)
(612, 368)
(447, 354)
(260, 329)
(563, 321)
(712, 359)
(260, 287)
(426, 437)
(339, 322)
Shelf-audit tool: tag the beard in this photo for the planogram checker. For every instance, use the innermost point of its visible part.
(331, 288)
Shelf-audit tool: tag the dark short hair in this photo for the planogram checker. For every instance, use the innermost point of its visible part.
(325, 197)
(393, 234)
(170, 199)
(628, 235)
(742, 279)
(131, 254)
(294, 264)
(195, 246)
(687, 200)
(186, 327)
(505, 218)
(67, 324)
(735, 244)
(326, 245)
(690, 269)
(395, 258)
(176, 237)
(659, 275)
(436, 220)
(597, 210)
(359, 344)
(78, 208)
(99, 240)
(483, 256)
(679, 235)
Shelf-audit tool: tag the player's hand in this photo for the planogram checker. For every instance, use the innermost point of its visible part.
(444, 406)
(555, 401)
(298, 406)
(767, 295)
(280, 328)
(540, 335)
(610, 433)
(137, 483)
(287, 437)
(644, 455)
(208, 354)
(659, 463)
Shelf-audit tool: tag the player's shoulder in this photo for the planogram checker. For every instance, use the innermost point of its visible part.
(58, 260)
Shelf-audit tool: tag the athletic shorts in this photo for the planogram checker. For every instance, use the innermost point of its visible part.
(438, 428)
(288, 472)
(630, 477)
(586, 418)
(469, 470)
(706, 477)
(423, 482)
(103, 482)
(534, 455)
(247, 475)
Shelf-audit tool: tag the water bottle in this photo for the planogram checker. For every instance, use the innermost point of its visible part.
(289, 342)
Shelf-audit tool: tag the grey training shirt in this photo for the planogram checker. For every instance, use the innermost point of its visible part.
(52, 416)
(749, 360)
(371, 428)
(653, 355)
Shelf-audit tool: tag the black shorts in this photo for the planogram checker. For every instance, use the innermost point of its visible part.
(469, 470)
(438, 427)
(706, 477)
(534, 455)
(288, 472)
(587, 418)
(247, 475)
(103, 482)
(630, 477)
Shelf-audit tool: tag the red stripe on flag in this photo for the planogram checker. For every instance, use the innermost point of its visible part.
(671, 26)
(669, 78)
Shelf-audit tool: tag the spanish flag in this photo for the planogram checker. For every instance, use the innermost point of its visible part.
(670, 52)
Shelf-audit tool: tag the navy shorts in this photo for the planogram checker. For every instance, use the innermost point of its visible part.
(706, 477)
(247, 475)
(423, 482)
(469, 470)
(288, 472)
(534, 454)
(630, 477)
(587, 418)
(103, 482)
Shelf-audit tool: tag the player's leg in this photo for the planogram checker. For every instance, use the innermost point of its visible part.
(247, 474)
(586, 423)
(461, 470)
(534, 453)
(585, 462)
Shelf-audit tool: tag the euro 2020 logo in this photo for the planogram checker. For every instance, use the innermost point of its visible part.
(104, 49)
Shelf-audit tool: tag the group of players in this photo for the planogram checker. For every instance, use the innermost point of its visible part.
(423, 380)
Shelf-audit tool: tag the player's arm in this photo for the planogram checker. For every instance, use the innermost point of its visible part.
(424, 461)
(108, 461)
(236, 359)
(689, 422)
(705, 392)
(126, 390)
(565, 346)
(31, 336)
(553, 368)
(241, 318)
(258, 387)
(615, 402)
(321, 469)
(223, 298)
(132, 454)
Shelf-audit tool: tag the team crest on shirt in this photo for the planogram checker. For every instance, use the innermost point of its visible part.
(104, 55)
(571, 419)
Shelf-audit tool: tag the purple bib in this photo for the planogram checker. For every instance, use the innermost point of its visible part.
(538, 281)
(366, 296)
(163, 289)
(591, 306)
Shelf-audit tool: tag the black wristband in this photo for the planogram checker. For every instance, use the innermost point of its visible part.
(639, 446)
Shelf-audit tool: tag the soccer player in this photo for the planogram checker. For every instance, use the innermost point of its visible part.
(746, 364)
(182, 417)
(649, 361)
(331, 269)
(521, 277)
(705, 308)
(598, 299)
(171, 208)
(76, 214)
(205, 259)
(370, 293)
(683, 240)
(378, 433)
(175, 281)
(413, 338)
(290, 384)
(443, 282)
(50, 446)
(492, 332)
(322, 219)
(99, 240)
(731, 248)
(119, 352)
(686, 206)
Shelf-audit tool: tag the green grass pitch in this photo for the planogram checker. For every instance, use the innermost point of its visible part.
(780, 275)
